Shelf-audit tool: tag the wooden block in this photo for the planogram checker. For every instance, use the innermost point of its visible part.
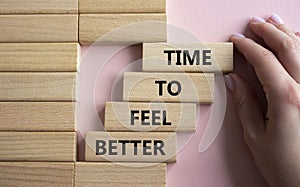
(38, 6)
(142, 146)
(122, 28)
(119, 175)
(39, 28)
(38, 146)
(38, 174)
(134, 116)
(37, 116)
(39, 56)
(122, 6)
(168, 87)
(207, 57)
(37, 86)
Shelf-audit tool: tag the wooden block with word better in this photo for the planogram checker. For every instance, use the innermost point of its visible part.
(135, 116)
(202, 57)
(122, 6)
(37, 116)
(39, 57)
(168, 87)
(39, 28)
(38, 146)
(37, 86)
(38, 174)
(122, 28)
(120, 174)
(130, 146)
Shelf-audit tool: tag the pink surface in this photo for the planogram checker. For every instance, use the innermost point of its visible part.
(225, 162)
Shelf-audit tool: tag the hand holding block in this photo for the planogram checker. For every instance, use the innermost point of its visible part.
(123, 116)
(168, 87)
(130, 147)
(206, 57)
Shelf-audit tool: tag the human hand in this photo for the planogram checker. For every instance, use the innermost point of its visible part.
(274, 140)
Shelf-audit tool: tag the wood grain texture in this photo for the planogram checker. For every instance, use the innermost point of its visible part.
(178, 116)
(38, 146)
(37, 86)
(197, 88)
(39, 57)
(154, 58)
(122, 28)
(168, 154)
(38, 174)
(39, 28)
(122, 6)
(119, 174)
(37, 116)
(38, 6)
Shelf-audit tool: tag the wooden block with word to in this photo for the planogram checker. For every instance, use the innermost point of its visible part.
(39, 57)
(120, 174)
(130, 146)
(122, 6)
(135, 116)
(38, 6)
(37, 86)
(39, 28)
(38, 146)
(38, 174)
(168, 87)
(122, 28)
(202, 57)
(37, 116)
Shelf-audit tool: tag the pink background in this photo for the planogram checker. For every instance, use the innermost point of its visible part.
(225, 162)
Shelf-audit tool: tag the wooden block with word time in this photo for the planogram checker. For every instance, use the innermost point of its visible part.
(39, 28)
(130, 146)
(38, 174)
(202, 57)
(168, 87)
(39, 57)
(38, 146)
(136, 116)
(122, 28)
(120, 174)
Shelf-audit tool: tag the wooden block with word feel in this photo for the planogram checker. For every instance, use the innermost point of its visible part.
(202, 57)
(136, 116)
(37, 116)
(39, 57)
(39, 28)
(122, 6)
(130, 146)
(38, 6)
(38, 174)
(168, 87)
(37, 86)
(120, 174)
(38, 146)
(122, 28)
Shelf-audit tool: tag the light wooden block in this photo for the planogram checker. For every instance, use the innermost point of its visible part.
(39, 28)
(38, 146)
(39, 57)
(38, 174)
(37, 116)
(150, 147)
(38, 6)
(37, 86)
(122, 28)
(119, 174)
(202, 57)
(186, 87)
(135, 116)
(122, 6)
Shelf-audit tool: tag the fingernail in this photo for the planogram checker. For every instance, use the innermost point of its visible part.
(229, 82)
(298, 33)
(258, 19)
(238, 35)
(276, 19)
